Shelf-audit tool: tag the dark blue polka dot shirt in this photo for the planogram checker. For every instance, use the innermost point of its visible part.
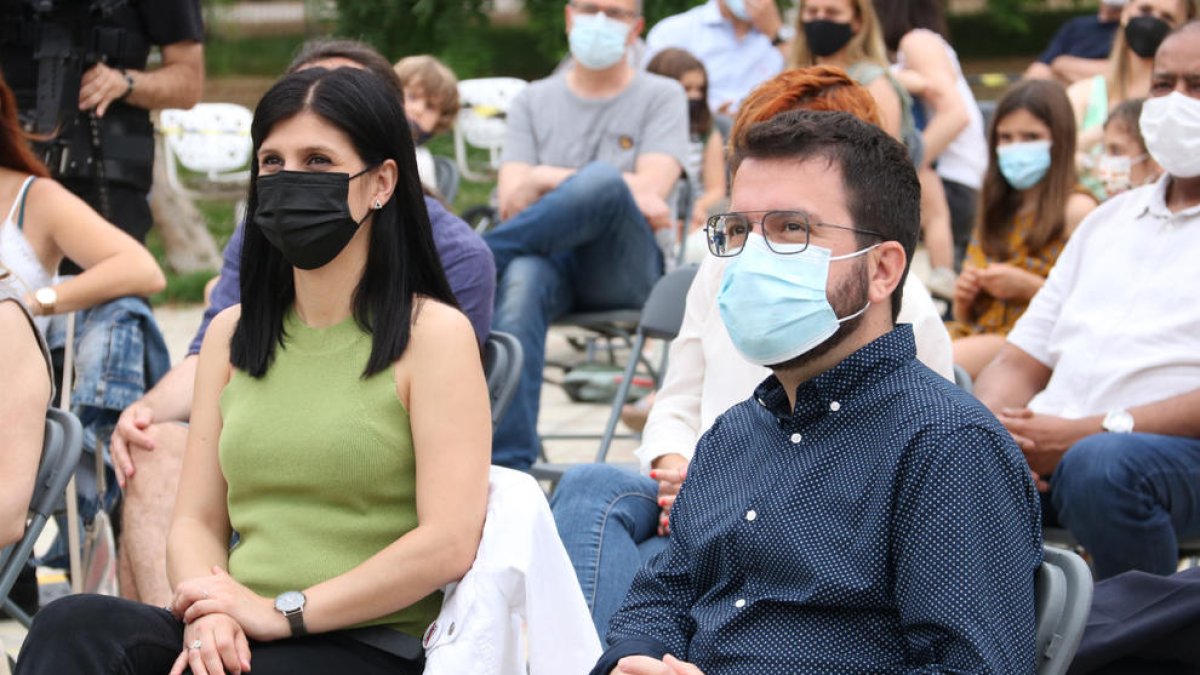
(885, 524)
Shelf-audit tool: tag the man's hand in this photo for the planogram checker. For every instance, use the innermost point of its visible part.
(519, 199)
(101, 86)
(222, 594)
(764, 15)
(654, 209)
(131, 431)
(223, 647)
(669, 471)
(645, 665)
(1044, 439)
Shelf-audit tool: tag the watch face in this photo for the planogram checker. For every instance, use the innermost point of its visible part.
(289, 601)
(46, 296)
(1118, 421)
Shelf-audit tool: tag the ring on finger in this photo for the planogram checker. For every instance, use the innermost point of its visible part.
(195, 644)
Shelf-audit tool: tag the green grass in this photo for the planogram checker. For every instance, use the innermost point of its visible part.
(189, 288)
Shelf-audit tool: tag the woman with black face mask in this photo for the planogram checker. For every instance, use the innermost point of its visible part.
(341, 423)
(847, 34)
(1144, 25)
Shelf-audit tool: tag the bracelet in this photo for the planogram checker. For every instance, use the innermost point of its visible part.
(128, 83)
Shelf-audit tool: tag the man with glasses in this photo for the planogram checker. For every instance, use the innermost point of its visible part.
(740, 42)
(591, 156)
(858, 513)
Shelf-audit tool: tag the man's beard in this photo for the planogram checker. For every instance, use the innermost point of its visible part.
(848, 298)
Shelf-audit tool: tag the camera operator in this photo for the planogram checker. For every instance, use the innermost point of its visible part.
(110, 44)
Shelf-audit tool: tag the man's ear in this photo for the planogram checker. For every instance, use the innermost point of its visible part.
(885, 271)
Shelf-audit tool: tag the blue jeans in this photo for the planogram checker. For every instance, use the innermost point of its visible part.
(607, 518)
(582, 247)
(1129, 498)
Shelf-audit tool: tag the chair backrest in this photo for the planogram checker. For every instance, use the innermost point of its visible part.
(482, 122)
(210, 138)
(502, 360)
(663, 312)
(1064, 596)
(61, 447)
(447, 177)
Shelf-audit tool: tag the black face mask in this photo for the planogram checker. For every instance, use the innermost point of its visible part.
(696, 108)
(825, 38)
(306, 215)
(1145, 33)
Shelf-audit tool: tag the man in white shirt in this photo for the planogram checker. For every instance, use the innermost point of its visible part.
(738, 41)
(1100, 380)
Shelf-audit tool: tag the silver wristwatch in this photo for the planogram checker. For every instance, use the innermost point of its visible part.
(291, 605)
(1118, 422)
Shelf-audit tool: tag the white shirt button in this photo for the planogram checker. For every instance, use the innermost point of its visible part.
(796, 438)
(835, 406)
(741, 602)
(751, 515)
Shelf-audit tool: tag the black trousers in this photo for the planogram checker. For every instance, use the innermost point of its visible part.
(130, 209)
(85, 634)
(963, 202)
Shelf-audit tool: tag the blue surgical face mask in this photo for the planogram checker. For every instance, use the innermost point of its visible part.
(1024, 165)
(774, 306)
(738, 9)
(597, 42)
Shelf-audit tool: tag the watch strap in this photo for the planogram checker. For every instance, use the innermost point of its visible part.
(128, 82)
(778, 39)
(296, 621)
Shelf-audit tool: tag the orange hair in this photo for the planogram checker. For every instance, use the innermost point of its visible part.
(814, 88)
(15, 153)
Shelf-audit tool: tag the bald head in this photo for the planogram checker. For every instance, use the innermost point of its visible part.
(1177, 63)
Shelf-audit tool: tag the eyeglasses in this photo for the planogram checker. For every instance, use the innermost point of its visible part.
(591, 9)
(786, 232)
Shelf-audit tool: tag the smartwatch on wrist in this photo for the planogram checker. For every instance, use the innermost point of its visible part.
(291, 605)
(1118, 422)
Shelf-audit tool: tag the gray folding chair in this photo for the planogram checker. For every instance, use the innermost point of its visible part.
(660, 319)
(448, 177)
(1062, 538)
(61, 448)
(502, 360)
(1063, 599)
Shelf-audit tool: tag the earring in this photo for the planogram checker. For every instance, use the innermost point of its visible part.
(377, 205)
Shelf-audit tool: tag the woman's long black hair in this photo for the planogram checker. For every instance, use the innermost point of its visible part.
(402, 262)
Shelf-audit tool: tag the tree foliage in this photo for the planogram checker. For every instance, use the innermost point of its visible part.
(401, 27)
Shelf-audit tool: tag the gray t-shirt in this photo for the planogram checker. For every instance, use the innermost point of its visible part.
(9, 292)
(549, 124)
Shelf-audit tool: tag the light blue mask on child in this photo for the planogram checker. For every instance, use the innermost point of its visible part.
(774, 306)
(1024, 165)
(597, 42)
(738, 8)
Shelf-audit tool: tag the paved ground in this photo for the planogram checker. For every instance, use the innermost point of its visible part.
(559, 415)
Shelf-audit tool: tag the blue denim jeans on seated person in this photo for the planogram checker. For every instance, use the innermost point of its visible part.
(582, 247)
(607, 518)
(1129, 499)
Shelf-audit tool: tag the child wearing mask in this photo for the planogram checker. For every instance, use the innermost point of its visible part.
(430, 103)
(1029, 205)
(1125, 163)
(706, 149)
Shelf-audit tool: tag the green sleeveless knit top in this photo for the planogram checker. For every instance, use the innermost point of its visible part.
(320, 467)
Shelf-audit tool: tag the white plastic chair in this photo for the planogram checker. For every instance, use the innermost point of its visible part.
(482, 121)
(212, 139)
